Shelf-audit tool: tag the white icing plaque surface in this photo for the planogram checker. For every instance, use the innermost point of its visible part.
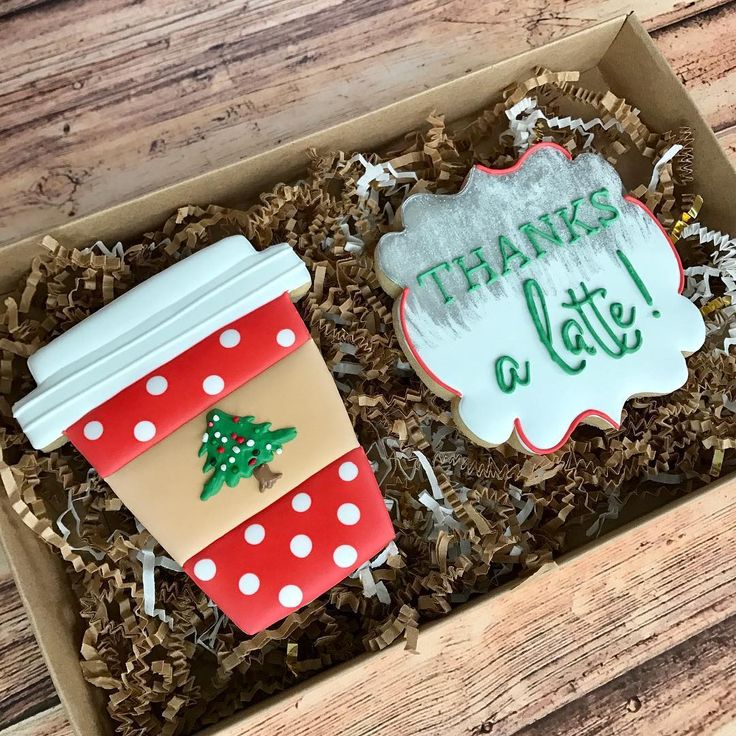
(539, 297)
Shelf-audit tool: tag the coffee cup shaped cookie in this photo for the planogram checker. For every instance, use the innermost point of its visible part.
(202, 400)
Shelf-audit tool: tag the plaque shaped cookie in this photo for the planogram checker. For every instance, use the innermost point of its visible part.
(537, 298)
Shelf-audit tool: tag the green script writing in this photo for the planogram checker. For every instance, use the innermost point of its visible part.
(593, 325)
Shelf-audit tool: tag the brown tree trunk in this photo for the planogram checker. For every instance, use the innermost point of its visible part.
(265, 477)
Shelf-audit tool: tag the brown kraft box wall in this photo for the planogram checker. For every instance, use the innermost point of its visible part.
(366, 694)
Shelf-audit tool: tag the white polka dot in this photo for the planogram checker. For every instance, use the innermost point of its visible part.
(93, 430)
(223, 467)
(217, 434)
(144, 431)
(205, 569)
(213, 385)
(300, 545)
(345, 556)
(250, 443)
(301, 502)
(254, 533)
(224, 439)
(249, 583)
(348, 514)
(236, 450)
(279, 451)
(348, 471)
(268, 446)
(229, 338)
(156, 385)
(286, 338)
(290, 596)
(215, 418)
(205, 437)
(231, 459)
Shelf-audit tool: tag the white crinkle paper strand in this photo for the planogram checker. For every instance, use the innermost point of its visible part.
(525, 114)
(721, 323)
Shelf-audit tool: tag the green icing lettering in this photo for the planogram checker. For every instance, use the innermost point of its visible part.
(638, 281)
(571, 222)
(617, 315)
(470, 271)
(595, 200)
(509, 251)
(534, 233)
(434, 274)
(537, 306)
(598, 323)
(635, 277)
(573, 338)
(508, 376)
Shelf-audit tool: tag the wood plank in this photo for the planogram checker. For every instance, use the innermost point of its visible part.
(686, 691)
(52, 722)
(702, 50)
(682, 685)
(25, 685)
(161, 92)
(507, 661)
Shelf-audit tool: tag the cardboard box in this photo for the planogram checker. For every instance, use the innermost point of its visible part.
(617, 54)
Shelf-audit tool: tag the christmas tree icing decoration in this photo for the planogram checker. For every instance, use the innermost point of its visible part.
(537, 298)
(237, 447)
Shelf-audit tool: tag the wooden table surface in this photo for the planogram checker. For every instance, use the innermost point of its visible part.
(103, 100)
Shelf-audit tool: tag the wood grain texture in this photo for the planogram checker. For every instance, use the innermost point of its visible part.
(702, 51)
(683, 692)
(101, 101)
(51, 722)
(161, 93)
(25, 686)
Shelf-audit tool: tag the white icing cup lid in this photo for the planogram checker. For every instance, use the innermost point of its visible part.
(148, 326)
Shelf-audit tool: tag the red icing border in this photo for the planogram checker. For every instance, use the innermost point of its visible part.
(580, 418)
(185, 396)
(417, 357)
(524, 156)
(573, 426)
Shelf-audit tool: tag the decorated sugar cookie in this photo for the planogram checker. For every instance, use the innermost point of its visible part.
(539, 297)
(201, 398)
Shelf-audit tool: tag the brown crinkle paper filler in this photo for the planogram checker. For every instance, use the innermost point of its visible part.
(467, 519)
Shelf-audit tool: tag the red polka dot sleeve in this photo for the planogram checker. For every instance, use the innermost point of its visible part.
(298, 547)
(150, 409)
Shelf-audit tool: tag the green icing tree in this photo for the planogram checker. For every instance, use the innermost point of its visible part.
(238, 448)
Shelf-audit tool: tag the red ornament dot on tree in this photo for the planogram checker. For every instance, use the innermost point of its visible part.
(252, 461)
(210, 424)
(240, 440)
(236, 419)
(220, 450)
(234, 436)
